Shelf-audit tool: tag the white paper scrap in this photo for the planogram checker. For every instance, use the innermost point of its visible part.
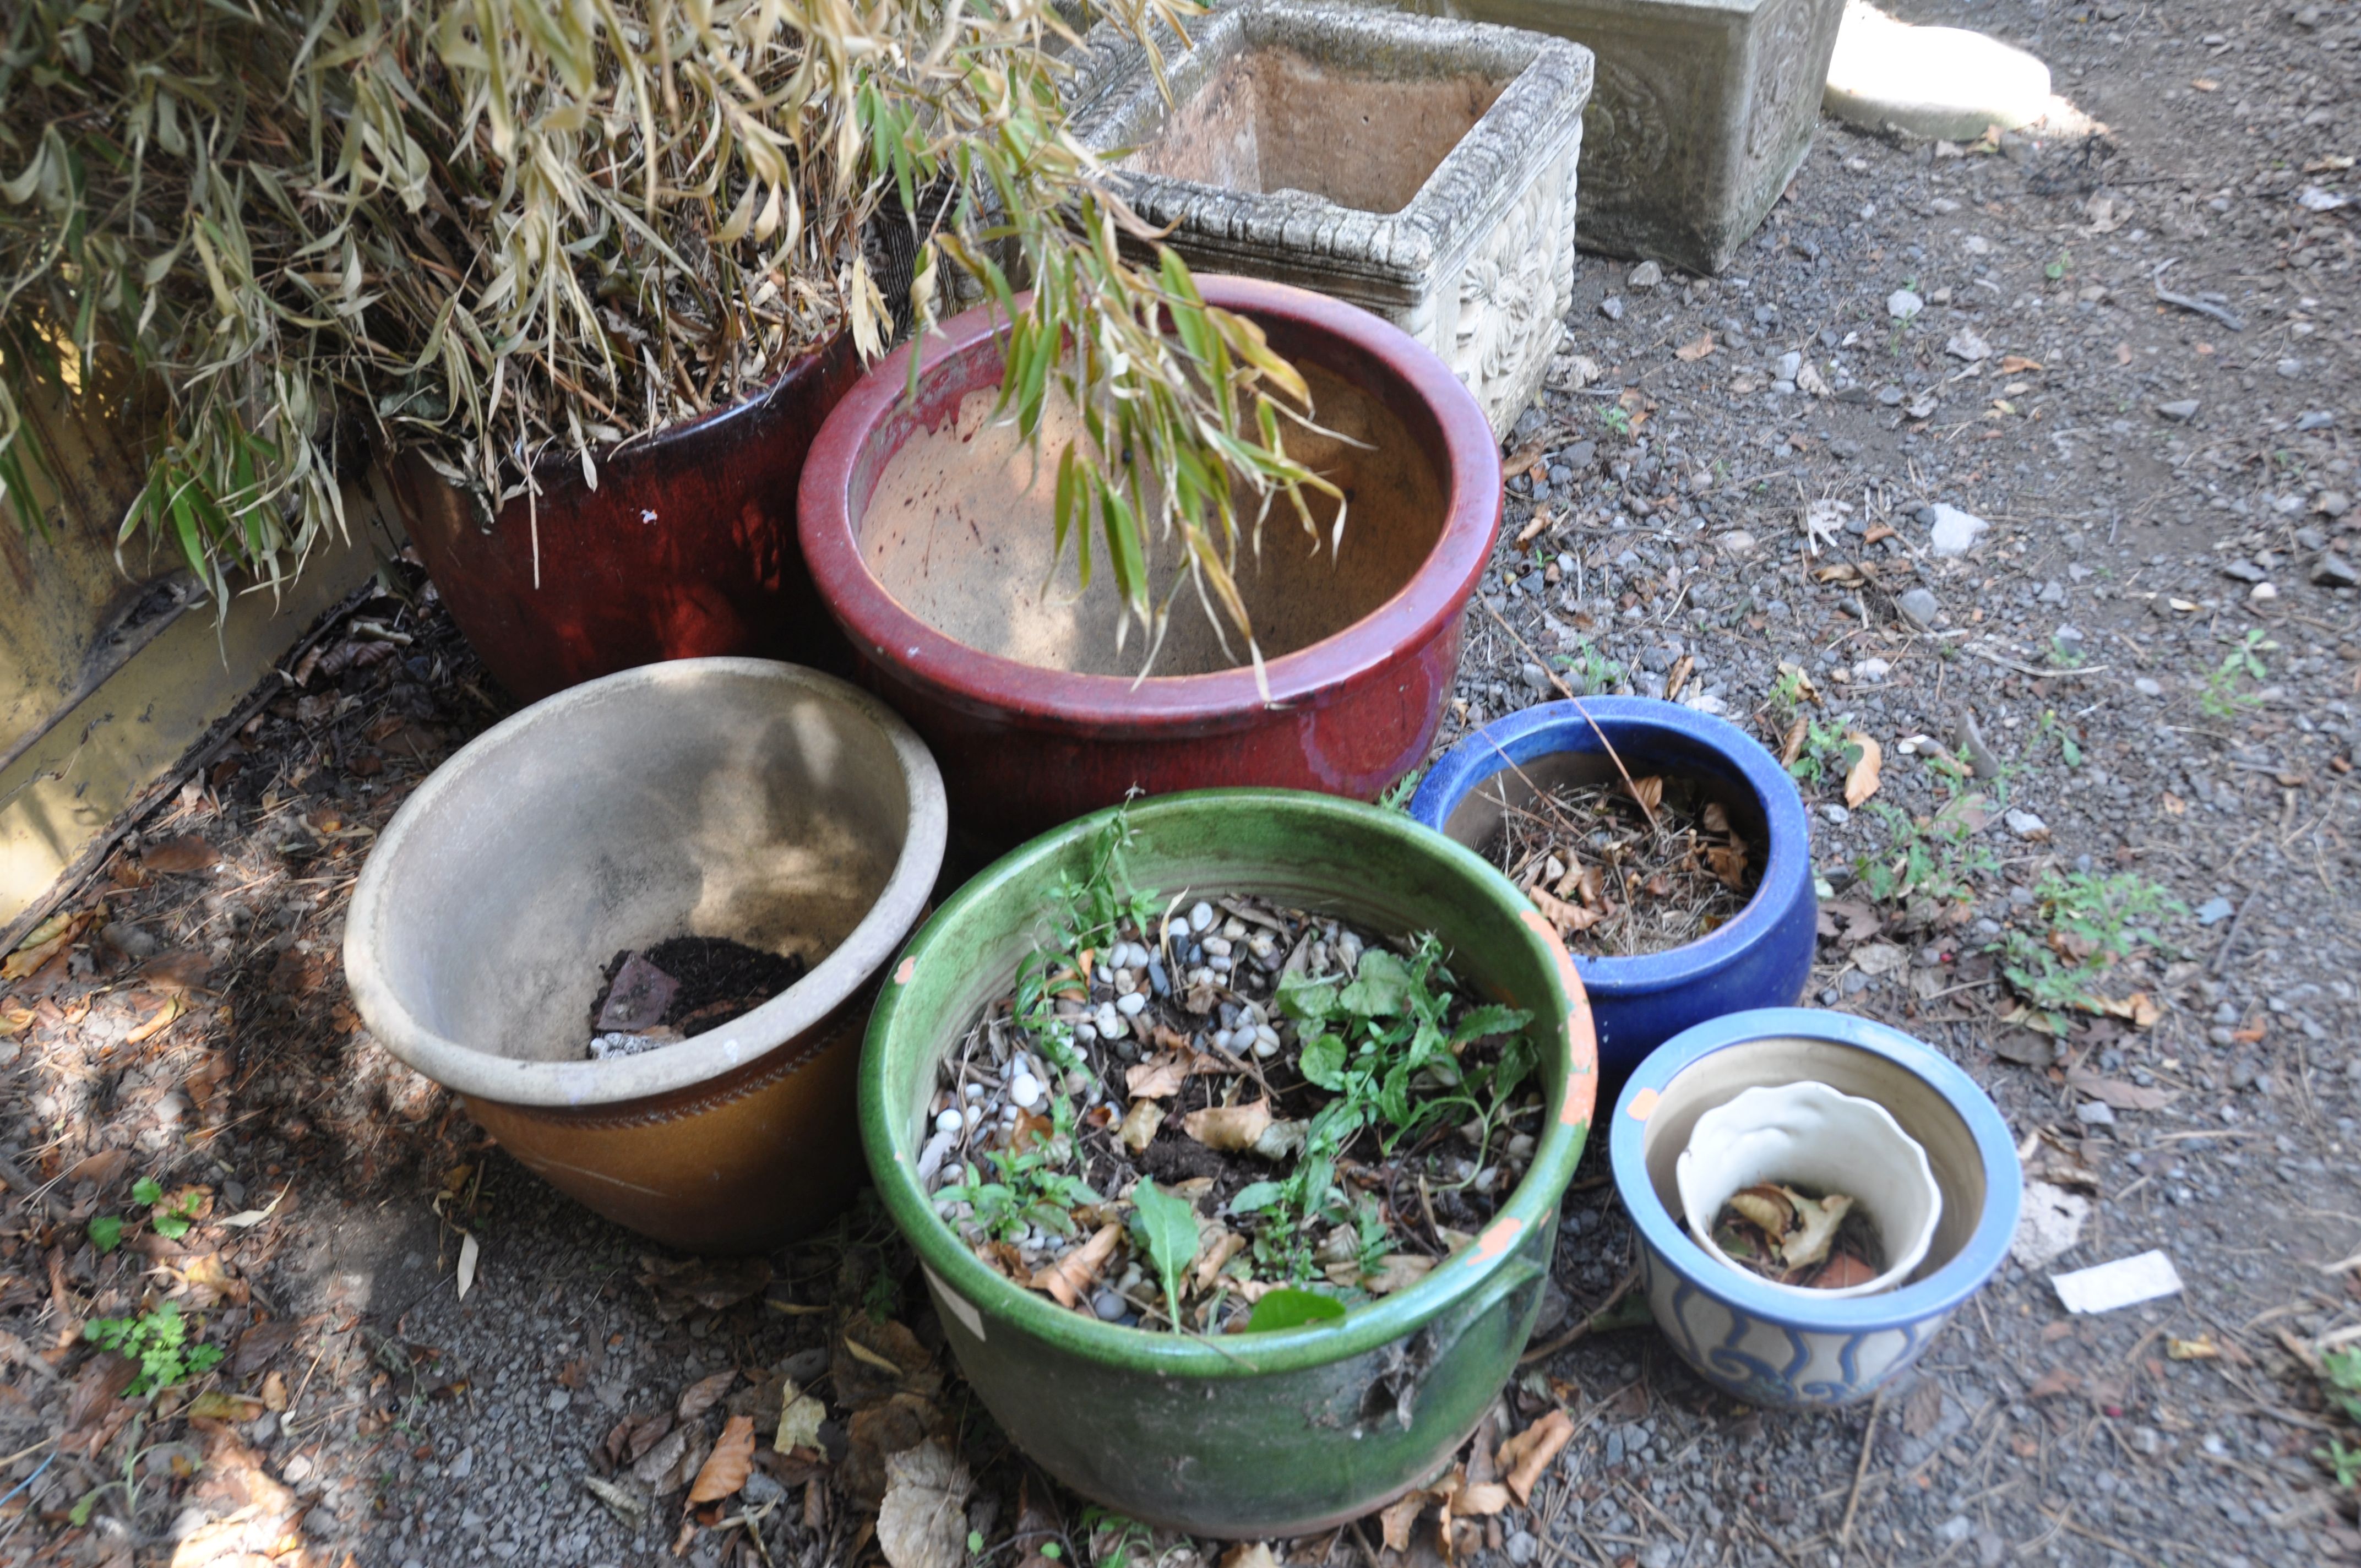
(2126, 1282)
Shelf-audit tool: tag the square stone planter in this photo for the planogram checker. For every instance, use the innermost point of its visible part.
(1419, 167)
(1703, 111)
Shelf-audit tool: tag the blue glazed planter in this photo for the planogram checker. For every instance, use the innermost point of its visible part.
(1779, 1347)
(1762, 958)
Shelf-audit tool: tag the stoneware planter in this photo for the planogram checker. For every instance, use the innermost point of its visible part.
(1762, 958)
(1809, 1135)
(1254, 1436)
(1782, 1347)
(686, 548)
(937, 562)
(1703, 111)
(1420, 168)
(735, 798)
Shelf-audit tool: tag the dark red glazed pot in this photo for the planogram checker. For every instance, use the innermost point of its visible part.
(686, 549)
(938, 581)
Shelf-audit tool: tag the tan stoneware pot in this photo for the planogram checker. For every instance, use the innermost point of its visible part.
(725, 797)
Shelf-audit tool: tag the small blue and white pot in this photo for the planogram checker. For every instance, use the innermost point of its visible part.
(1783, 1347)
(1761, 958)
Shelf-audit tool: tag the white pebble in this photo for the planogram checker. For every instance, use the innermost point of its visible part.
(1220, 1040)
(973, 1091)
(1265, 1041)
(1261, 947)
(1108, 1020)
(1200, 977)
(1086, 1032)
(975, 1115)
(1217, 945)
(1201, 916)
(1233, 928)
(1129, 1004)
(1219, 963)
(1024, 1090)
(950, 1121)
(1125, 980)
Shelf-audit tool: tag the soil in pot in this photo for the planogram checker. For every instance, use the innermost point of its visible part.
(1623, 868)
(1793, 1236)
(683, 986)
(961, 531)
(1221, 1110)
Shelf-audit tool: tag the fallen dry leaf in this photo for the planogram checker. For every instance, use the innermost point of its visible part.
(1526, 1456)
(1139, 1125)
(1568, 917)
(726, 1468)
(1399, 1517)
(922, 1523)
(188, 854)
(1070, 1276)
(2057, 1380)
(2137, 1009)
(157, 1024)
(216, 1406)
(1860, 781)
(1879, 958)
(2201, 1348)
(168, 972)
(704, 1394)
(1478, 1501)
(1228, 1128)
(1397, 1271)
(2115, 1092)
(2017, 364)
(800, 1415)
(1158, 1078)
(1691, 352)
(1215, 1257)
(274, 1391)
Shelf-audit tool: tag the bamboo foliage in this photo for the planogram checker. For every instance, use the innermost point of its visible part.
(496, 231)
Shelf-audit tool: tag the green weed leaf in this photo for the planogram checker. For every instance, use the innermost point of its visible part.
(1290, 1308)
(1167, 1226)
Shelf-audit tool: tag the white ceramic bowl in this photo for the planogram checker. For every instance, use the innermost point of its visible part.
(1810, 1134)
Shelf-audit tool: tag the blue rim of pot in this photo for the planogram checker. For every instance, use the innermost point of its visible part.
(1938, 1293)
(1532, 732)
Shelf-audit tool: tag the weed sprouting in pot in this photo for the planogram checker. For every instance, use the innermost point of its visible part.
(1186, 1108)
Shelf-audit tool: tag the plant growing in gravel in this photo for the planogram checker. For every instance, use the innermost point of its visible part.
(2090, 924)
(171, 1222)
(2052, 728)
(2222, 697)
(158, 1341)
(1586, 670)
(1616, 418)
(2340, 1375)
(1937, 858)
(1823, 755)
(495, 234)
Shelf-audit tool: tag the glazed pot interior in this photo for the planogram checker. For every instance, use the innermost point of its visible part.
(715, 802)
(1269, 118)
(1917, 1106)
(956, 523)
(1477, 821)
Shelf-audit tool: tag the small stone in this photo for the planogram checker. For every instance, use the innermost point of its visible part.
(2180, 409)
(2095, 1113)
(1951, 530)
(1919, 607)
(2026, 826)
(1647, 275)
(1737, 543)
(462, 1467)
(558, 1399)
(1130, 1003)
(1025, 1092)
(298, 1470)
(2213, 911)
(1523, 1547)
(1537, 678)
(1109, 1305)
(2243, 571)
(2332, 503)
(1890, 396)
(1902, 304)
(1968, 344)
(2149, 685)
(950, 1121)
(2262, 593)
(2334, 571)
(1789, 364)
(1837, 815)
(1611, 307)
(1201, 916)
(2316, 418)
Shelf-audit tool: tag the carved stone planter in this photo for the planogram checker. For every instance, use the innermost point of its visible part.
(1702, 113)
(1421, 168)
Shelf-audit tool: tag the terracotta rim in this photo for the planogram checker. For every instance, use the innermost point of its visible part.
(1419, 611)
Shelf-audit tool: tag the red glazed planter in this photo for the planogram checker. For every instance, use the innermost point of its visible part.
(1024, 746)
(686, 549)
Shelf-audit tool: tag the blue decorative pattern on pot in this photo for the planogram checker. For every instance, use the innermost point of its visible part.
(1775, 1346)
(1762, 957)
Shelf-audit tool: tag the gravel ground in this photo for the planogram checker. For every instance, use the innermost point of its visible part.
(2150, 650)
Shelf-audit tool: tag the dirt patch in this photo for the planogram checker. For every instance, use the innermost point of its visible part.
(688, 985)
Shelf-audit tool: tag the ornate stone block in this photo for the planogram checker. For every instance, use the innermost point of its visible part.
(1420, 167)
(1703, 111)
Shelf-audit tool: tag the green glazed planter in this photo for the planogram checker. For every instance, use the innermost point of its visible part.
(1246, 1436)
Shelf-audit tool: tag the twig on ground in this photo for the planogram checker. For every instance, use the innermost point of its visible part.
(1860, 1471)
(2187, 302)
